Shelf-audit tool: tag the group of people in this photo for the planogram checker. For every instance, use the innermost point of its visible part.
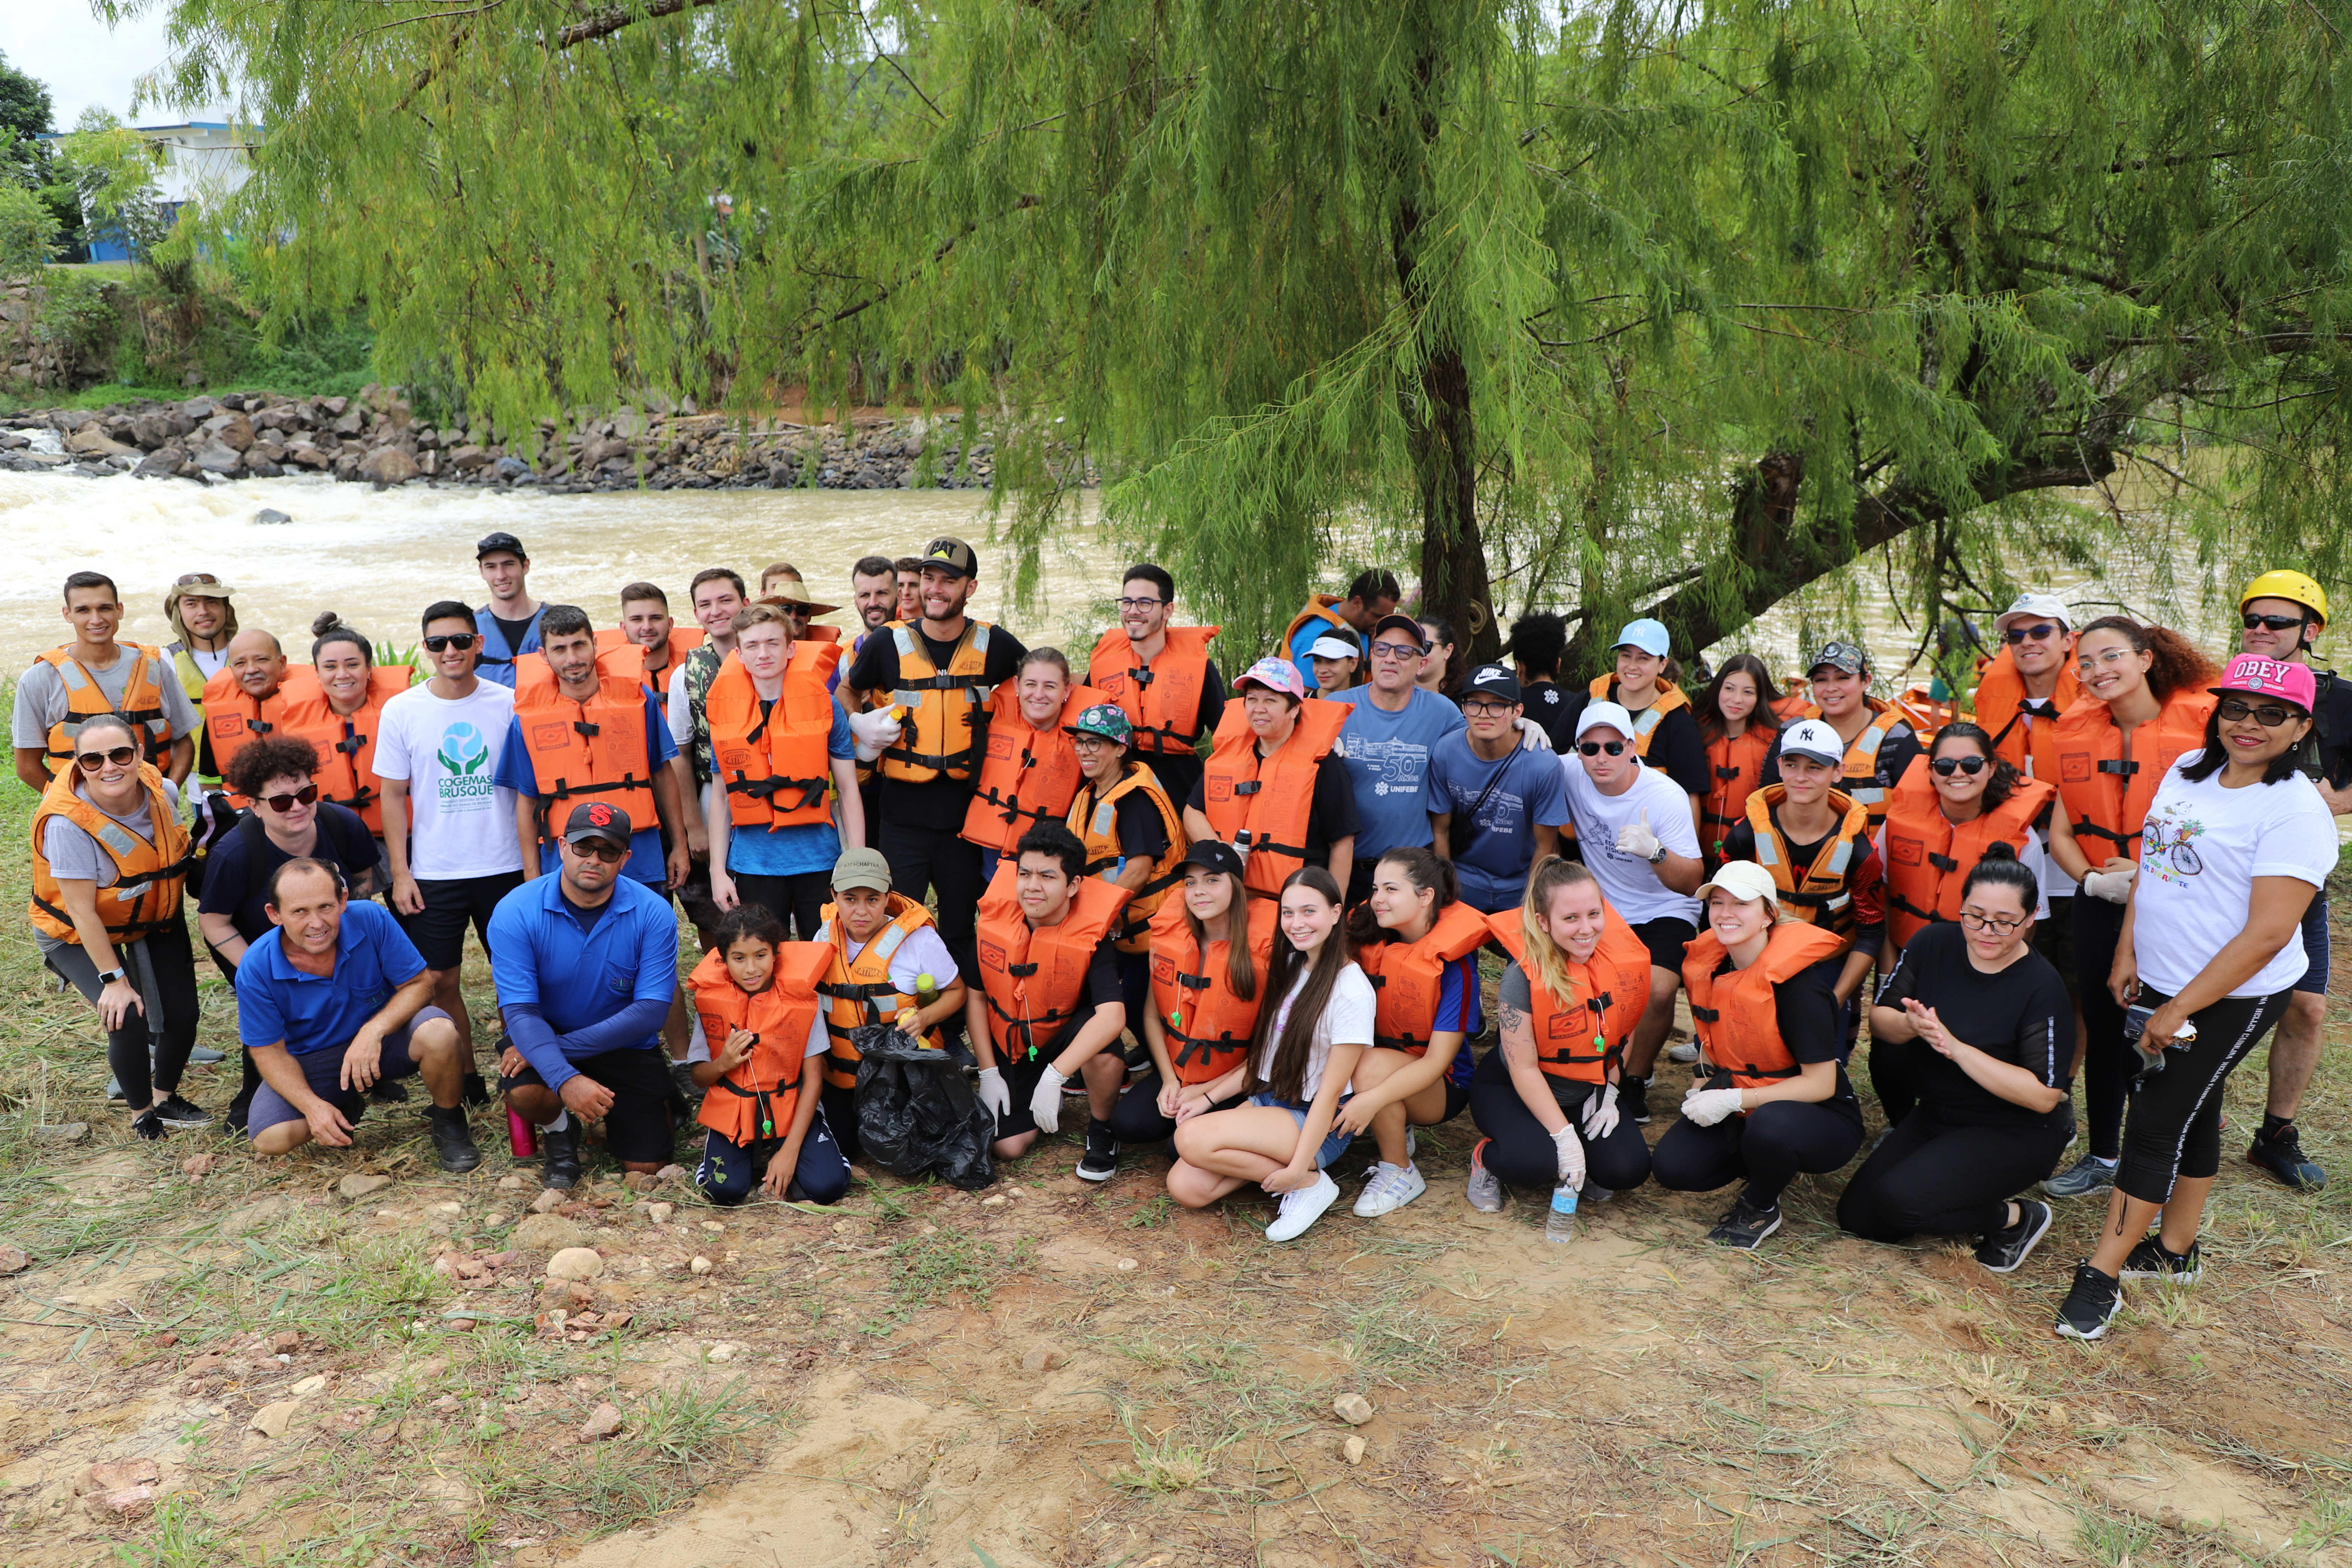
(1241, 922)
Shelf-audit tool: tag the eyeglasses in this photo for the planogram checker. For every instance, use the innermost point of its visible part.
(1140, 604)
(1594, 747)
(1485, 710)
(91, 762)
(602, 849)
(2030, 634)
(282, 803)
(2275, 623)
(1971, 921)
(2269, 715)
(1088, 742)
(1399, 650)
(1971, 766)
(461, 641)
(2113, 656)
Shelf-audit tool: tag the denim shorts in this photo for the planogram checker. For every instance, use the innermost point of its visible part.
(1334, 1145)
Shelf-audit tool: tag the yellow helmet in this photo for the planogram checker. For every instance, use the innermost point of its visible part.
(2292, 586)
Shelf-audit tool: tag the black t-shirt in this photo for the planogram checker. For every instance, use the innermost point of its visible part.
(238, 868)
(940, 802)
(587, 914)
(1807, 1011)
(1555, 710)
(1676, 748)
(1101, 986)
(1865, 877)
(1894, 754)
(2331, 737)
(1178, 772)
(2020, 1016)
(1331, 815)
(514, 631)
(1142, 833)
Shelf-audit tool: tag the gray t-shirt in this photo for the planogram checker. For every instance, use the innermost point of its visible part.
(73, 854)
(41, 698)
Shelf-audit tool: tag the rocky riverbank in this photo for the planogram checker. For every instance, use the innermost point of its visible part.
(377, 438)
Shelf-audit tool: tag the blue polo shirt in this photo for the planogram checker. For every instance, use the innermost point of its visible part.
(515, 773)
(276, 1004)
(578, 972)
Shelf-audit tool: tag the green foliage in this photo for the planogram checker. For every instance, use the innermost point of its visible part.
(25, 106)
(29, 232)
(80, 311)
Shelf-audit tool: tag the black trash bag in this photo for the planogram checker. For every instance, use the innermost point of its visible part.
(915, 1114)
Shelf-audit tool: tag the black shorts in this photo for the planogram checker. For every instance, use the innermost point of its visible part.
(2314, 946)
(2053, 939)
(439, 929)
(1020, 1080)
(638, 1127)
(1665, 937)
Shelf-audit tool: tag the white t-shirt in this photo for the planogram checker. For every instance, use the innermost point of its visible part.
(460, 825)
(1346, 1020)
(2030, 854)
(1629, 882)
(2200, 849)
(680, 712)
(921, 953)
(697, 1046)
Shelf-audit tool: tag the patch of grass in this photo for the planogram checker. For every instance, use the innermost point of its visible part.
(1163, 1462)
(2114, 1542)
(673, 1445)
(925, 1270)
(1153, 1214)
(1401, 1343)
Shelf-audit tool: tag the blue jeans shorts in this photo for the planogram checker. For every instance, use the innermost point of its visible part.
(1334, 1145)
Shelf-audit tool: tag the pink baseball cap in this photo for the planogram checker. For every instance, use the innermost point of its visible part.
(1274, 674)
(2250, 675)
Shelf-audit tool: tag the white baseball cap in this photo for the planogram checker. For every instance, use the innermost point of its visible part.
(1744, 880)
(1814, 739)
(1334, 648)
(1605, 716)
(2036, 607)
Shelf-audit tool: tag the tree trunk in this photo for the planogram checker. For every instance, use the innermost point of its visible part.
(1453, 581)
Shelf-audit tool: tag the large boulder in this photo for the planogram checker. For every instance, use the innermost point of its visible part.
(90, 441)
(232, 430)
(215, 457)
(388, 466)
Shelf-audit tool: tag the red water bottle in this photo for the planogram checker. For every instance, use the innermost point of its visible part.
(523, 1138)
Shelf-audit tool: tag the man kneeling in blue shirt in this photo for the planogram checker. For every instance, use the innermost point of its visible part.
(586, 964)
(333, 1000)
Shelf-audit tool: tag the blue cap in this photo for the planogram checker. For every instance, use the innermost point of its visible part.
(1645, 634)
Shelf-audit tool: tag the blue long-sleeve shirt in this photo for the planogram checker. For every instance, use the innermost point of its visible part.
(574, 987)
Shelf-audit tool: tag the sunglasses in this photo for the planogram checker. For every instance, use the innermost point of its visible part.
(2269, 715)
(91, 762)
(2275, 623)
(1946, 766)
(2029, 634)
(1594, 747)
(282, 803)
(461, 641)
(602, 849)
(190, 579)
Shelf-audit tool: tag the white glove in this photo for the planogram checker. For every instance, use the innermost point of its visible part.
(1570, 1149)
(873, 732)
(1708, 1105)
(1601, 1114)
(1046, 1105)
(1635, 838)
(994, 1094)
(1533, 737)
(2112, 885)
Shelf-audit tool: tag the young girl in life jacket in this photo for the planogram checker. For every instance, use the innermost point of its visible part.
(1736, 724)
(1208, 950)
(1303, 1052)
(756, 997)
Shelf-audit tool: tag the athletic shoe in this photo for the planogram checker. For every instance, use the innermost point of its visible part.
(114, 1089)
(388, 1091)
(1684, 1054)
(2151, 1260)
(178, 1113)
(1633, 1100)
(2003, 1250)
(682, 1078)
(2081, 1179)
(1100, 1162)
(1485, 1193)
(1410, 1144)
(1746, 1227)
(2090, 1304)
(205, 1057)
(453, 1140)
(560, 1166)
(1389, 1191)
(1303, 1208)
(476, 1092)
(1590, 1193)
(2282, 1157)
(148, 1125)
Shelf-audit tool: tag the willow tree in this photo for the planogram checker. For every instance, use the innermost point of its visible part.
(1681, 307)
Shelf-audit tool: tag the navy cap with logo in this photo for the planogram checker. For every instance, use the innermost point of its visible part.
(947, 553)
(595, 819)
(1494, 682)
(1213, 855)
(501, 542)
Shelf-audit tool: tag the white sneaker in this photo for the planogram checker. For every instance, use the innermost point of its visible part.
(1303, 1208)
(1685, 1053)
(1485, 1193)
(1390, 1190)
(1374, 1168)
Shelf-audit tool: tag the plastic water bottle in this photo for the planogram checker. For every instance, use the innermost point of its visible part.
(1561, 1224)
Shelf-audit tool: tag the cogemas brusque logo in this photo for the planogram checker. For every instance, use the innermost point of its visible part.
(465, 758)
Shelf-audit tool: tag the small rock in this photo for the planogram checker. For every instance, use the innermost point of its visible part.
(671, 1175)
(545, 1233)
(129, 1504)
(659, 1213)
(214, 458)
(310, 1385)
(1352, 1408)
(723, 1352)
(449, 1208)
(549, 1198)
(576, 1263)
(58, 1135)
(271, 514)
(991, 1201)
(195, 1167)
(602, 1422)
(701, 1264)
(13, 1260)
(713, 1226)
(1352, 1450)
(1125, 1264)
(361, 1183)
(1046, 1358)
(271, 1419)
(114, 1475)
(637, 1181)
(512, 1183)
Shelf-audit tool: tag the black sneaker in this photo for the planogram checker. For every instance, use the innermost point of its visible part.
(388, 1091)
(233, 1118)
(2151, 1260)
(475, 1092)
(453, 1140)
(1100, 1162)
(2282, 1157)
(1633, 1100)
(561, 1156)
(682, 1078)
(2090, 1304)
(1746, 1227)
(178, 1113)
(2003, 1250)
(149, 1125)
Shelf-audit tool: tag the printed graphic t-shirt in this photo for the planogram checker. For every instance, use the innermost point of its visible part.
(460, 823)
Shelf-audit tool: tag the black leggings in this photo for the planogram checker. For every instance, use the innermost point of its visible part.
(1768, 1146)
(1521, 1154)
(800, 898)
(163, 966)
(1137, 1119)
(1947, 1181)
(2108, 1060)
(2175, 1128)
(1895, 1078)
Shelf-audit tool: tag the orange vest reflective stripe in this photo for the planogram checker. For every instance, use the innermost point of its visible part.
(1032, 977)
(1735, 765)
(1095, 819)
(1408, 976)
(346, 742)
(616, 656)
(1821, 893)
(1734, 1014)
(1578, 1035)
(1207, 1028)
(1319, 612)
(1858, 780)
(775, 766)
(1999, 708)
(234, 721)
(585, 751)
(754, 1103)
(143, 701)
(859, 990)
(149, 876)
(942, 710)
(1162, 698)
(1269, 797)
(1928, 856)
(2105, 797)
(1027, 776)
(1645, 723)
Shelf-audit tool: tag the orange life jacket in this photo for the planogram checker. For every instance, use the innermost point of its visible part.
(1207, 1028)
(818, 632)
(2105, 797)
(859, 990)
(1318, 612)
(1645, 723)
(943, 710)
(1162, 698)
(585, 751)
(776, 764)
(1735, 765)
(234, 721)
(142, 703)
(1734, 1014)
(1928, 856)
(1924, 713)
(1859, 779)
(1269, 797)
(148, 874)
(754, 1103)
(1821, 893)
(1999, 708)
(1027, 776)
(346, 742)
(1407, 976)
(1578, 1035)
(1032, 977)
(1095, 819)
(1795, 698)
(617, 656)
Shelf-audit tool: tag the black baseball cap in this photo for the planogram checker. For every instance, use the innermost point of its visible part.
(951, 554)
(595, 819)
(1404, 624)
(495, 544)
(1213, 855)
(1495, 682)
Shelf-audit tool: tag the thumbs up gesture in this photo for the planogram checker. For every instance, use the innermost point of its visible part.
(1636, 838)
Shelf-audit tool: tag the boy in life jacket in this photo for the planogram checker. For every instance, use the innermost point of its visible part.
(1877, 742)
(756, 998)
(1372, 594)
(1132, 836)
(888, 966)
(204, 620)
(1161, 677)
(648, 646)
(95, 674)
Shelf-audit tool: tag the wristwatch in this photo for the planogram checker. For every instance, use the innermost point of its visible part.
(109, 976)
(1658, 858)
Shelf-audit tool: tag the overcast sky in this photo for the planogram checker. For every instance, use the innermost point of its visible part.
(83, 59)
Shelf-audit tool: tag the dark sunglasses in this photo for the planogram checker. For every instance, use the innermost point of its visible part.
(91, 762)
(2269, 715)
(1594, 747)
(281, 803)
(461, 641)
(1946, 766)
(2275, 623)
(190, 579)
(602, 849)
(2029, 634)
